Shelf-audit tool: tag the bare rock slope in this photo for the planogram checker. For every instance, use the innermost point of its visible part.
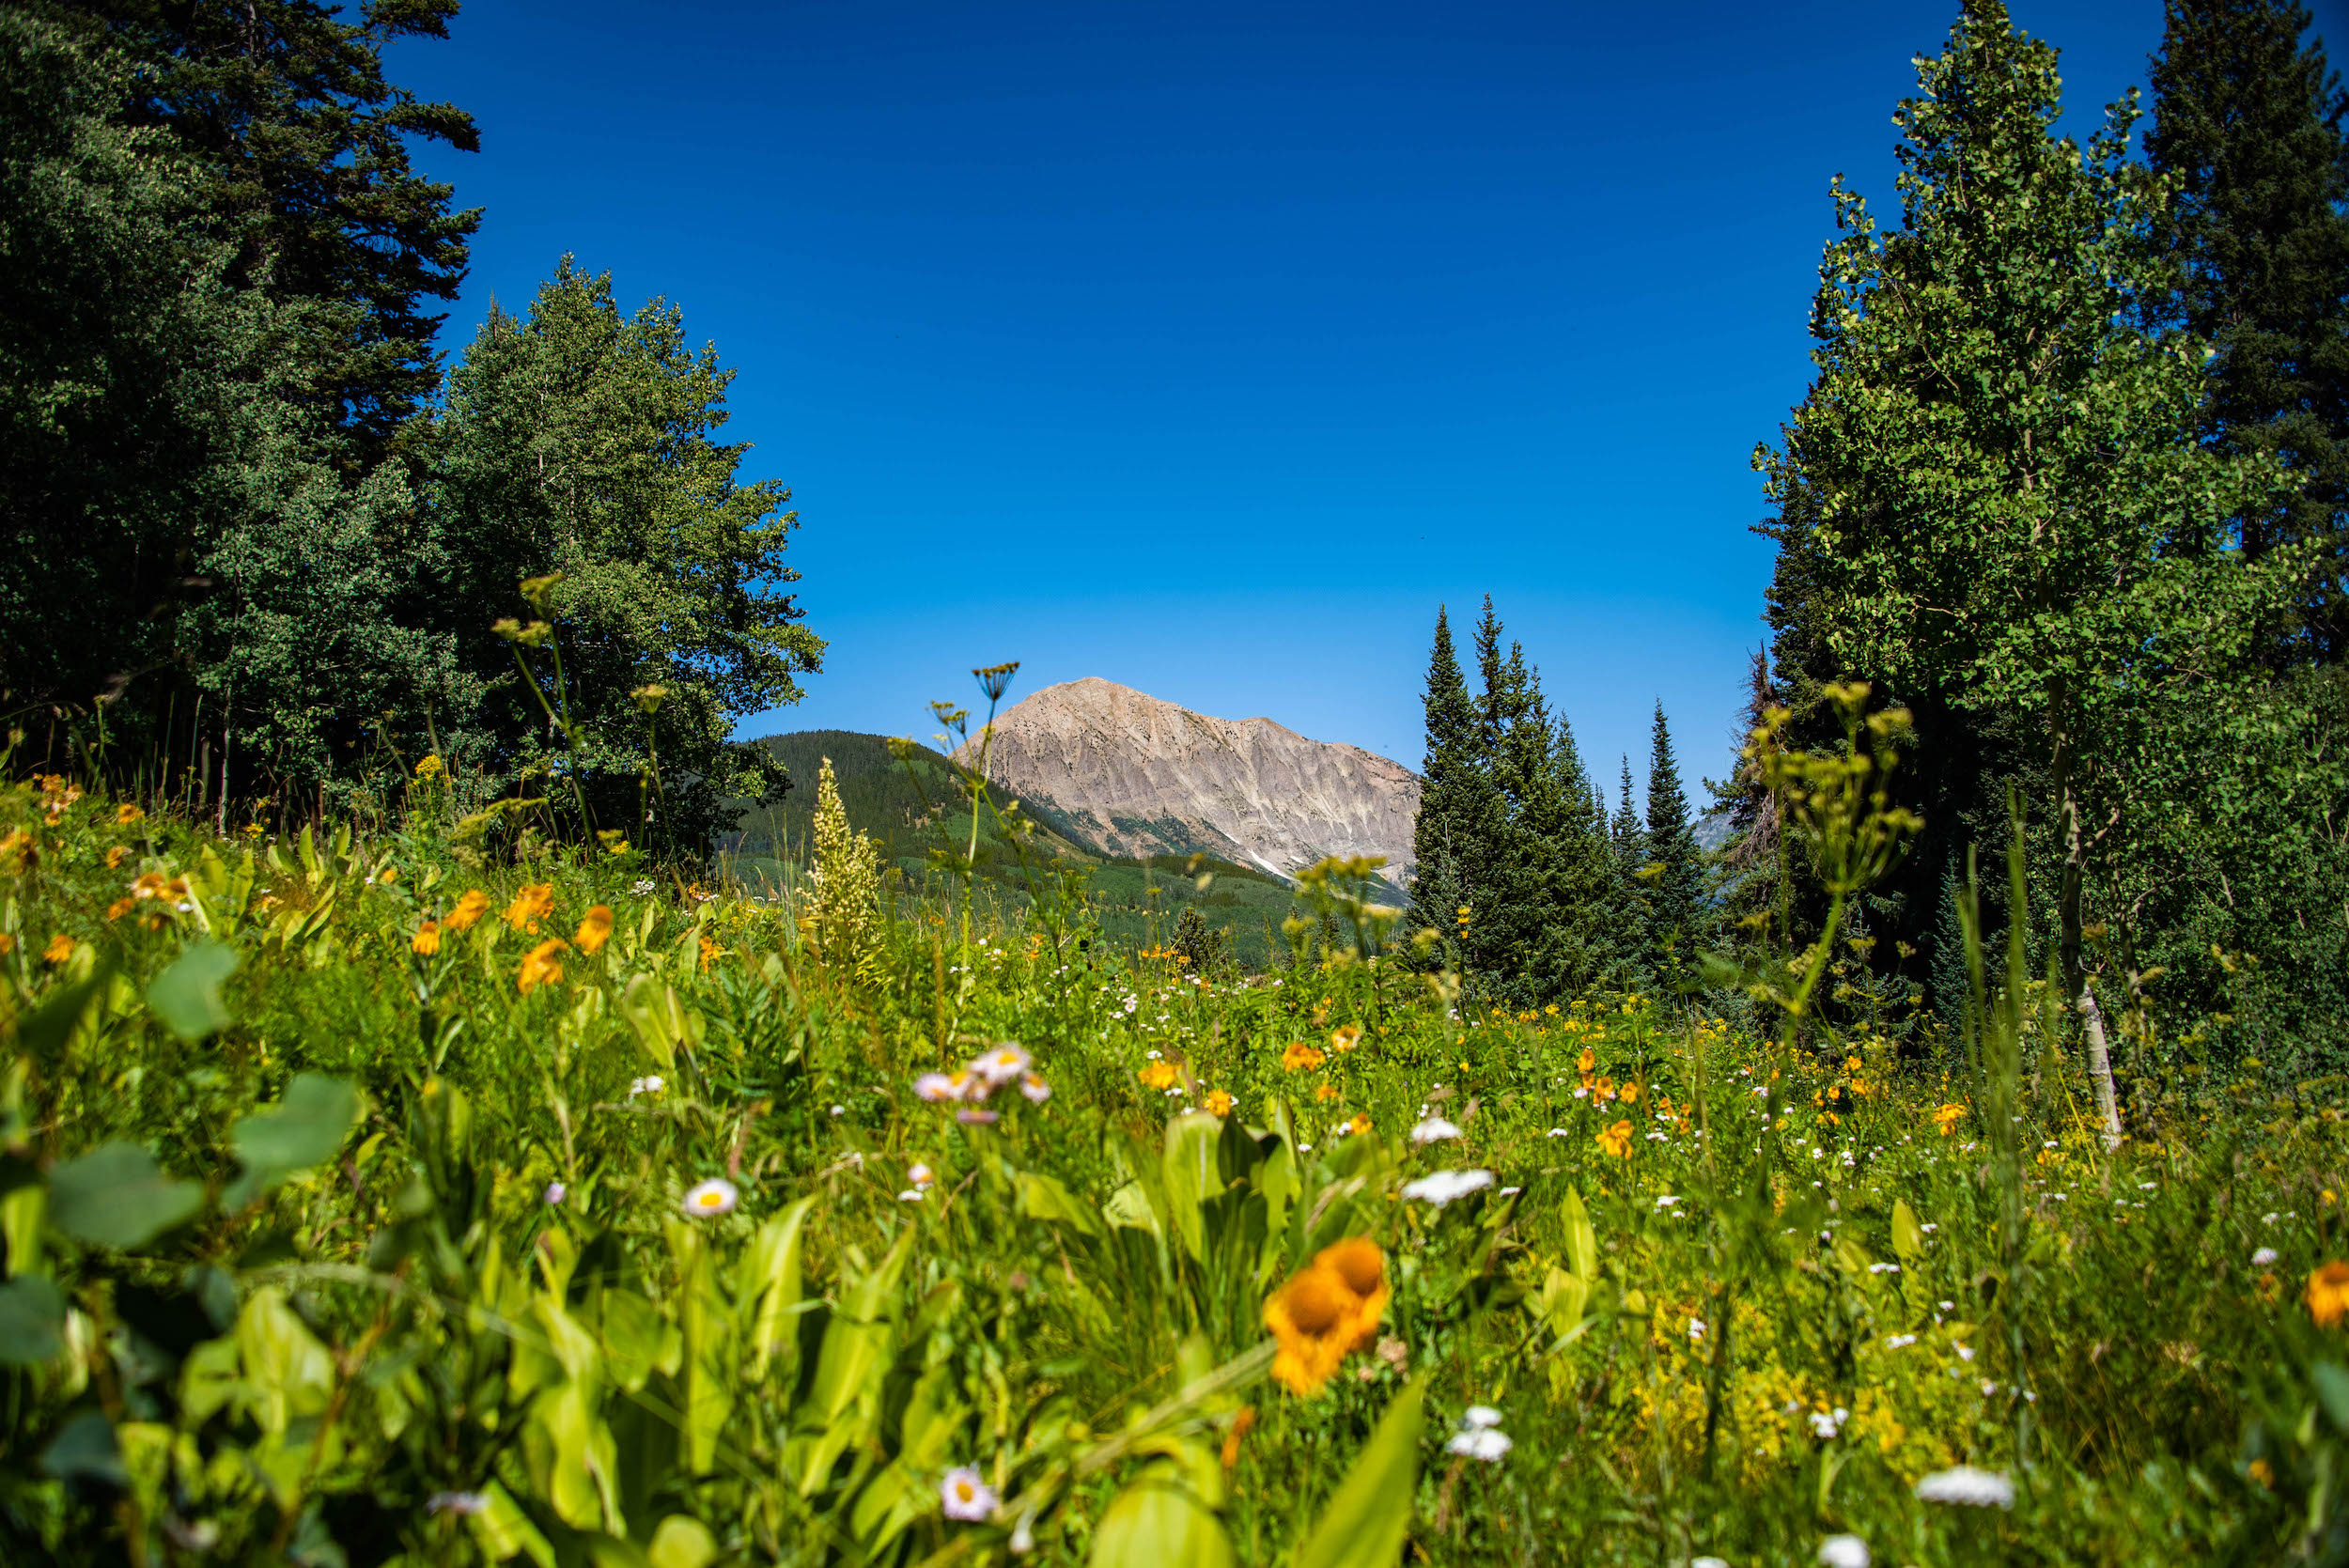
(1145, 777)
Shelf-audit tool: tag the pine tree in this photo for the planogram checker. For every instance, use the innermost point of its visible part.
(1674, 869)
(2250, 124)
(1453, 802)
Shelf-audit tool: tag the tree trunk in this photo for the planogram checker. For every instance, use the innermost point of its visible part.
(2068, 937)
(2100, 1068)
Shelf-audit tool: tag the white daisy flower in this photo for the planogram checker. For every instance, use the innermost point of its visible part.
(1477, 1417)
(921, 1175)
(2264, 1256)
(966, 1495)
(713, 1197)
(1005, 1063)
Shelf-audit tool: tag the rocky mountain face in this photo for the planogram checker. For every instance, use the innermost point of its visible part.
(1142, 777)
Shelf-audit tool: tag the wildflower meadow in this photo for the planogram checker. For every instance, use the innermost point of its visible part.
(370, 1200)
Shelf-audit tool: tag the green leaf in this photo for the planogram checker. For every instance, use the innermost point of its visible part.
(1045, 1198)
(43, 1032)
(117, 1196)
(85, 1448)
(1909, 1237)
(186, 996)
(681, 1541)
(1581, 1240)
(1157, 1522)
(32, 1321)
(2333, 1391)
(1366, 1523)
(307, 1127)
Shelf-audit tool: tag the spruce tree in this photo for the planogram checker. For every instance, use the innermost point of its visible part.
(2250, 125)
(1674, 869)
(1626, 841)
(1452, 801)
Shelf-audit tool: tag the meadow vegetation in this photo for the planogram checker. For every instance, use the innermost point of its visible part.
(371, 1200)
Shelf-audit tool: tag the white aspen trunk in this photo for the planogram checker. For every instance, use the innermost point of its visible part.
(2100, 1068)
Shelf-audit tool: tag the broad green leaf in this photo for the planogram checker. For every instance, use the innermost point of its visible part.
(186, 996)
(502, 1531)
(1157, 1523)
(307, 1127)
(117, 1196)
(42, 1031)
(681, 1541)
(1189, 1172)
(32, 1321)
(84, 1450)
(1909, 1237)
(1045, 1198)
(1366, 1522)
(2332, 1392)
(1581, 1240)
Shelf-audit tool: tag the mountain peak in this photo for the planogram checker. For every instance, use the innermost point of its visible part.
(1143, 776)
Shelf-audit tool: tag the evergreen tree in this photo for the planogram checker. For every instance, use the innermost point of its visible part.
(1674, 871)
(301, 151)
(1627, 842)
(1454, 795)
(2249, 122)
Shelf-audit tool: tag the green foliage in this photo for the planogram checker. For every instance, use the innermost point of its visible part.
(407, 1264)
(844, 896)
(1995, 506)
(671, 573)
(2250, 123)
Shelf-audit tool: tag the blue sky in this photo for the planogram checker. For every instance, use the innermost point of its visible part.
(1210, 348)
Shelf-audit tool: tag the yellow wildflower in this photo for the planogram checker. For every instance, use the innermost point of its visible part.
(710, 953)
(115, 856)
(430, 768)
(1345, 1038)
(1948, 1117)
(1300, 1056)
(426, 940)
(542, 966)
(1359, 1124)
(1616, 1140)
(1326, 1093)
(531, 906)
(1587, 1061)
(1325, 1311)
(2327, 1295)
(468, 908)
(1159, 1074)
(60, 948)
(595, 929)
(1219, 1102)
(127, 813)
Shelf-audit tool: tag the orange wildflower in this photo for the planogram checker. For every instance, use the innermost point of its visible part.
(7, 943)
(2327, 1295)
(18, 848)
(710, 953)
(542, 965)
(468, 908)
(1243, 1423)
(595, 929)
(1587, 1061)
(120, 906)
(1300, 1056)
(1616, 1140)
(1219, 1102)
(60, 948)
(1326, 1093)
(1345, 1038)
(531, 906)
(1948, 1117)
(1325, 1311)
(1630, 1092)
(1159, 1074)
(127, 813)
(115, 856)
(426, 940)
